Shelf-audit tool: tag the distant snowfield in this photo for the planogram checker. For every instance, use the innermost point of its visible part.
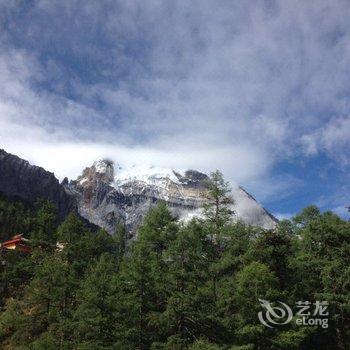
(245, 206)
(150, 175)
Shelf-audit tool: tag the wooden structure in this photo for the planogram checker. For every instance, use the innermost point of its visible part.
(18, 243)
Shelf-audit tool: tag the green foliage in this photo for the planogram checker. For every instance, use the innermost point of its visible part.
(45, 223)
(188, 308)
(185, 286)
(218, 211)
(274, 248)
(15, 218)
(204, 345)
(95, 316)
(120, 238)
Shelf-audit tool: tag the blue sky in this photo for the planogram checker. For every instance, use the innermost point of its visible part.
(258, 89)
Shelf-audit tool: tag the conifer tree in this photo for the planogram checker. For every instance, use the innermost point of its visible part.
(95, 319)
(15, 218)
(218, 213)
(253, 282)
(142, 278)
(45, 224)
(189, 308)
(218, 210)
(324, 257)
(120, 238)
(275, 248)
(45, 306)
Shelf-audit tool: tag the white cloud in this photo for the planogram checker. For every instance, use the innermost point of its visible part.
(342, 212)
(334, 138)
(69, 158)
(284, 216)
(239, 87)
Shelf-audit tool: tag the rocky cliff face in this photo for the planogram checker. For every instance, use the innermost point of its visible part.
(106, 196)
(19, 179)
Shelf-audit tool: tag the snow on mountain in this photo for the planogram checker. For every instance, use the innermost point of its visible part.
(150, 175)
(100, 166)
(104, 167)
(106, 196)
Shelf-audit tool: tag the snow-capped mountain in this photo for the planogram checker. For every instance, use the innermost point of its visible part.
(107, 196)
(150, 175)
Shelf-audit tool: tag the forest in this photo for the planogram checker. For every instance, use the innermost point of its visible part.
(180, 285)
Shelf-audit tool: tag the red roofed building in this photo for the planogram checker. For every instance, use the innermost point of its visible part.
(18, 243)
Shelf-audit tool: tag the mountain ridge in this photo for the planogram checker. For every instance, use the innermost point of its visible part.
(19, 178)
(106, 196)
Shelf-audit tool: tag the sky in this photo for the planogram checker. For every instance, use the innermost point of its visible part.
(257, 89)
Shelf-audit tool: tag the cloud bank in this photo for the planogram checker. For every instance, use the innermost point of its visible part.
(240, 86)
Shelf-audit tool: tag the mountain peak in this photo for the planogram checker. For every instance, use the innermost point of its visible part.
(105, 167)
(107, 197)
(101, 171)
(150, 175)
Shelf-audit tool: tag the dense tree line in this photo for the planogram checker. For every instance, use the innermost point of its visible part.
(193, 285)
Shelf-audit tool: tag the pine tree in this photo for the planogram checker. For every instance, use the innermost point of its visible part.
(189, 308)
(95, 319)
(275, 248)
(81, 246)
(141, 280)
(139, 296)
(45, 306)
(45, 224)
(218, 214)
(218, 210)
(120, 238)
(322, 267)
(253, 282)
(15, 218)
(71, 229)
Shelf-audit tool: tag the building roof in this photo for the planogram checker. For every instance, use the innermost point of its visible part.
(17, 242)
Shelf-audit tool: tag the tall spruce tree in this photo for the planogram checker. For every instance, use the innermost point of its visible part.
(218, 210)
(96, 319)
(45, 224)
(45, 306)
(253, 282)
(324, 257)
(142, 278)
(120, 238)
